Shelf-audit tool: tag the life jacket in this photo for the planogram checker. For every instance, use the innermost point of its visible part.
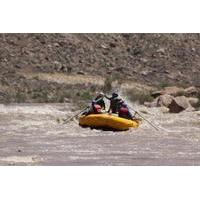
(123, 111)
(97, 108)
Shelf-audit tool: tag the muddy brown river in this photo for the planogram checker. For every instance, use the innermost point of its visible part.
(31, 135)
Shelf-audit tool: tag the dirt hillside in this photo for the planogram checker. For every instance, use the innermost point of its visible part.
(149, 59)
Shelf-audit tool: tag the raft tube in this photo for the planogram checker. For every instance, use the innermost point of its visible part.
(108, 121)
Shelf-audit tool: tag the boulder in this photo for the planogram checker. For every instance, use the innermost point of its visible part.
(190, 109)
(174, 91)
(156, 94)
(164, 100)
(193, 101)
(81, 73)
(191, 91)
(179, 104)
(164, 109)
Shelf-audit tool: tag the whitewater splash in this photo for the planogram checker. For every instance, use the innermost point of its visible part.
(32, 131)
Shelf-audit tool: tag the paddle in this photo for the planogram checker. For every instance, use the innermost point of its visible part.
(145, 119)
(67, 120)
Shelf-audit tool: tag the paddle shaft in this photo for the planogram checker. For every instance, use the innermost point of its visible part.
(67, 120)
(145, 119)
(80, 111)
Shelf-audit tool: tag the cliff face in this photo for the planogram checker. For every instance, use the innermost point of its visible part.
(151, 59)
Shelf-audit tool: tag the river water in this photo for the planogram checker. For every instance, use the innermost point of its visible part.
(31, 135)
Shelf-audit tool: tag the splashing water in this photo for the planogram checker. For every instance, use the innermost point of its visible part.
(31, 131)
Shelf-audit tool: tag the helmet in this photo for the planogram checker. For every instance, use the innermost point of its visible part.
(124, 105)
(101, 94)
(114, 94)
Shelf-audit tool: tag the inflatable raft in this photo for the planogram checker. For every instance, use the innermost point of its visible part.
(108, 121)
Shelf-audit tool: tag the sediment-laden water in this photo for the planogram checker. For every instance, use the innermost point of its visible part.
(31, 135)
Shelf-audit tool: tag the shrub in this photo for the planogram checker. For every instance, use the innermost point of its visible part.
(86, 95)
(164, 84)
(20, 97)
(107, 84)
(138, 95)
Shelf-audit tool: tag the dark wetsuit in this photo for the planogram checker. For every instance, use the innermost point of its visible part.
(114, 104)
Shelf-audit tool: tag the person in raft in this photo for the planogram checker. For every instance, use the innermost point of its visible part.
(100, 101)
(95, 108)
(114, 103)
(124, 112)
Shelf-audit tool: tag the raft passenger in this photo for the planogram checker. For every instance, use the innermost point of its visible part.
(100, 101)
(114, 103)
(124, 112)
(93, 109)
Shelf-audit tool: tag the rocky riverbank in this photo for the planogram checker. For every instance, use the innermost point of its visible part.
(153, 60)
(176, 99)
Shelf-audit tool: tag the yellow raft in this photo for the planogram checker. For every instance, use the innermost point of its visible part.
(108, 121)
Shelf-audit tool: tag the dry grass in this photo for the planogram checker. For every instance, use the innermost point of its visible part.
(79, 89)
(138, 95)
(107, 85)
(85, 79)
(67, 79)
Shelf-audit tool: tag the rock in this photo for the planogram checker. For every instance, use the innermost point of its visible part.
(119, 69)
(104, 46)
(174, 91)
(174, 107)
(57, 65)
(66, 100)
(112, 45)
(164, 109)
(157, 93)
(145, 72)
(164, 100)
(56, 44)
(193, 101)
(17, 66)
(161, 50)
(191, 91)
(144, 60)
(179, 104)
(190, 109)
(81, 73)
